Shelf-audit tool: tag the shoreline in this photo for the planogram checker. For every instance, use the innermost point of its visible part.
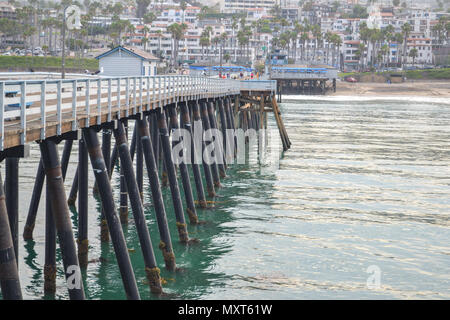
(416, 88)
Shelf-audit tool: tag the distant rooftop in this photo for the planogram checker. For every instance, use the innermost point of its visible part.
(133, 50)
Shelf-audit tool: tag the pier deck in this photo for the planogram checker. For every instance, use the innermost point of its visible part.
(60, 106)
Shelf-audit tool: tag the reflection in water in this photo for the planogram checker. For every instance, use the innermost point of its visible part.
(366, 183)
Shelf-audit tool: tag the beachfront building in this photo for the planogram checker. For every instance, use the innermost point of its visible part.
(350, 55)
(314, 12)
(421, 21)
(424, 51)
(7, 11)
(125, 61)
(239, 6)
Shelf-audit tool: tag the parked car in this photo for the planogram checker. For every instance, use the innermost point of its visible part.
(350, 79)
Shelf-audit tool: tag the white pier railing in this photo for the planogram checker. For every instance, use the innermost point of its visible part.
(259, 85)
(37, 109)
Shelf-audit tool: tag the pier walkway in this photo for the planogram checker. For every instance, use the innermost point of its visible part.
(54, 110)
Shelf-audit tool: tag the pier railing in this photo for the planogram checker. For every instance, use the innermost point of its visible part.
(259, 85)
(37, 109)
(303, 73)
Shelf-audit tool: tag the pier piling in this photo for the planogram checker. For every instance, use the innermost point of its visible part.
(12, 199)
(204, 157)
(151, 268)
(123, 211)
(61, 216)
(83, 242)
(160, 212)
(219, 154)
(9, 276)
(208, 137)
(173, 183)
(186, 124)
(114, 226)
(34, 203)
(192, 213)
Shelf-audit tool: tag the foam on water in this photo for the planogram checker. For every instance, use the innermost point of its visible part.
(343, 98)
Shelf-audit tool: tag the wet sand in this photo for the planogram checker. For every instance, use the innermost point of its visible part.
(439, 88)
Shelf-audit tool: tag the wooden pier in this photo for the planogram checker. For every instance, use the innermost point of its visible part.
(52, 111)
(303, 80)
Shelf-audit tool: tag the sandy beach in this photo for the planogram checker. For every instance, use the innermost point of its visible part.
(419, 88)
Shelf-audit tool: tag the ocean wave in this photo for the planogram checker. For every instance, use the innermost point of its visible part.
(355, 98)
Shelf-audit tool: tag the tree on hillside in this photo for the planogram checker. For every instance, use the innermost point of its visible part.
(359, 11)
(406, 30)
(141, 9)
(223, 38)
(398, 38)
(177, 31)
(117, 28)
(149, 17)
(226, 57)
(183, 6)
(204, 42)
(362, 53)
(413, 53)
(145, 30)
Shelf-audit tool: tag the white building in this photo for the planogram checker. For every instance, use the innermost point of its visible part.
(237, 6)
(424, 50)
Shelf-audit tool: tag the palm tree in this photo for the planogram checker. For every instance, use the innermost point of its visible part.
(328, 36)
(374, 37)
(362, 51)
(204, 42)
(183, 6)
(337, 41)
(177, 31)
(276, 11)
(364, 35)
(141, 9)
(406, 30)
(215, 42)
(45, 49)
(144, 40)
(298, 29)
(293, 37)
(227, 57)
(317, 38)
(285, 38)
(159, 35)
(234, 27)
(242, 40)
(398, 38)
(223, 39)
(207, 32)
(441, 28)
(413, 53)
(388, 34)
(384, 51)
(304, 38)
(149, 17)
(117, 28)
